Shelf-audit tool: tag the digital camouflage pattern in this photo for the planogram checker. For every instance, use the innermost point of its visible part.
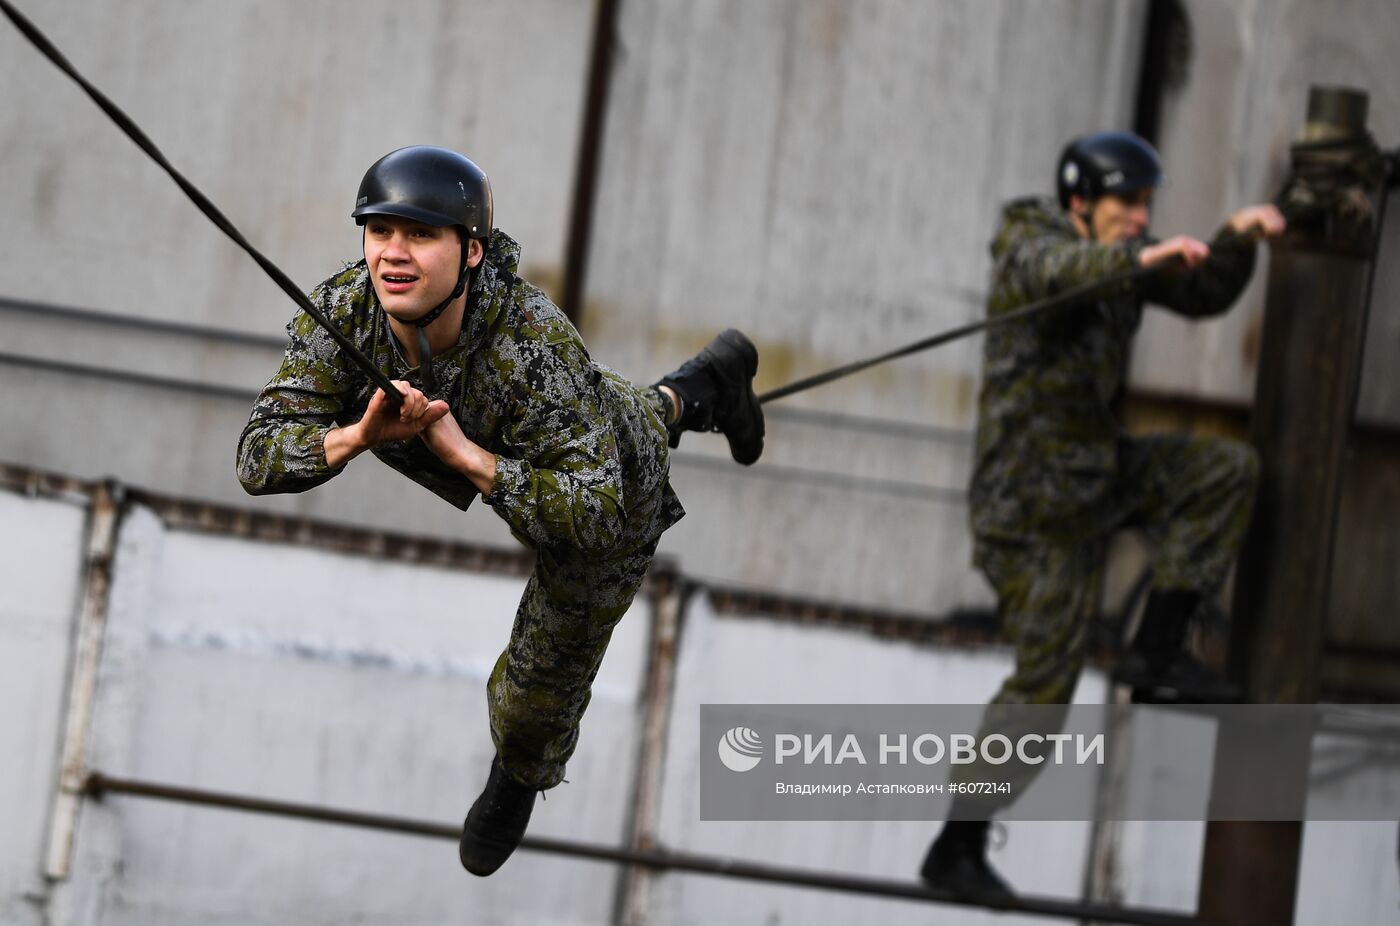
(541, 683)
(581, 472)
(1055, 475)
(1194, 495)
(1047, 457)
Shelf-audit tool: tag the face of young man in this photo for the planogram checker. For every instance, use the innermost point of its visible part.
(413, 266)
(1117, 217)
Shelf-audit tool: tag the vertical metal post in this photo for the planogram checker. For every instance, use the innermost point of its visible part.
(1103, 882)
(588, 164)
(82, 683)
(1309, 375)
(656, 716)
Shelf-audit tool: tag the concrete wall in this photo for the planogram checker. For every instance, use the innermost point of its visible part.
(299, 673)
(310, 676)
(821, 174)
(274, 110)
(40, 569)
(1225, 135)
(831, 666)
(1224, 139)
(837, 161)
(824, 176)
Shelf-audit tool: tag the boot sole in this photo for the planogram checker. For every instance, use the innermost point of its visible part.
(960, 888)
(1165, 694)
(1149, 690)
(482, 868)
(480, 848)
(740, 450)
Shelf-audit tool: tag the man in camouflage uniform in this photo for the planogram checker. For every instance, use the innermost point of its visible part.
(1055, 476)
(511, 407)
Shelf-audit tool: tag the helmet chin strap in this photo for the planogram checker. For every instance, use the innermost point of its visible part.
(425, 353)
(1087, 217)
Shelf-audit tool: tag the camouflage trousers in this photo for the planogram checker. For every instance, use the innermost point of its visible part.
(541, 684)
(1193, 495)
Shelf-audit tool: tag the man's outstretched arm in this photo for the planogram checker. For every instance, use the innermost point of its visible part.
(1212, 285)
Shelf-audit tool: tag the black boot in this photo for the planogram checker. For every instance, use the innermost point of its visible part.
(1158, 666)
(716, 391)
(957, 862)
(496, 823)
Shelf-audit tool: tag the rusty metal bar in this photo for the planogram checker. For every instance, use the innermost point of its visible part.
(37, 483)
(188, 515)
(654, 859)
(91, 629)
(966, 628)
(208, 517)
(634, 888)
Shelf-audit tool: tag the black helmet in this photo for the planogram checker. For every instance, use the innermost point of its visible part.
(1106, 162)
(437, 187)
(431, 185)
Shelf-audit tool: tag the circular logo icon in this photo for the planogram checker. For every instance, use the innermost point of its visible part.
(740, 749)
(1071, 173)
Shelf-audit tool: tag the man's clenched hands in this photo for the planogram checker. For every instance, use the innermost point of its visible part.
(383, 422)
(444, 438)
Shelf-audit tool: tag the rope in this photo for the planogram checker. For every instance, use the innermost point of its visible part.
(200, 200)
(1075, 294)
(124, 122)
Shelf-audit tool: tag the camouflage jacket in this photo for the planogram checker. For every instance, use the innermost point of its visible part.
(581, 458)
(1047, 441)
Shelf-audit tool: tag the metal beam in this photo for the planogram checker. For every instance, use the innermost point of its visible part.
(103, 522)
(654, 859)
(666, 599)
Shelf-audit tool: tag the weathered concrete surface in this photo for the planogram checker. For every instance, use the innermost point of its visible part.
(839, 165)
(1224, 141)
(225, 668)
(730, 659)
(41, 549)
(822, 174)
(274, 110)
(825, 176)
(318, 677)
